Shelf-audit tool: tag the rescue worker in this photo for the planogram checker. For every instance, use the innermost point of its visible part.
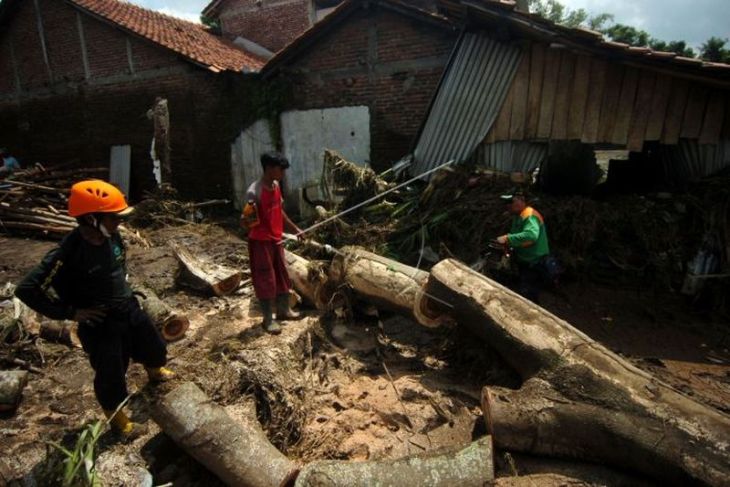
(529, 240)
(84, 279)
(264, 217)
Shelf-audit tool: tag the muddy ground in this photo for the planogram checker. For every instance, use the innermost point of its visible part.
(377, 387)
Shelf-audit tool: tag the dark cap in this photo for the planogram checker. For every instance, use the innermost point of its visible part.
(274, 159)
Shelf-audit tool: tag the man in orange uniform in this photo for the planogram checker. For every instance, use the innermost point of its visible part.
(264, 216)
(84, 279)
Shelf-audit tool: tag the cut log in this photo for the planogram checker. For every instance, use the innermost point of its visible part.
(581, 400)
(309, 280)
(470, 466)
(171, 324)
(239, 453)
(12, 383)
(386, 283)
(202, 275)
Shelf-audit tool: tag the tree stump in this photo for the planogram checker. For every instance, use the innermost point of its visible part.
(198, 273)
(172, 325)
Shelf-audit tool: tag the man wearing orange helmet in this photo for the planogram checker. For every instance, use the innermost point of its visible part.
(84, 279)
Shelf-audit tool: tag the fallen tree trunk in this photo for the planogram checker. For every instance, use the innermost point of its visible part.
(12, 383)
(386, 283)
(202, 275)
(172, 325)
(309, 280)
(581, 400)
(470, 466)
(239, 453)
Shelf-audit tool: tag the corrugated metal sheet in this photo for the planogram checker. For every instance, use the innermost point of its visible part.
(468, 101)
(510, 156)
(690, 160)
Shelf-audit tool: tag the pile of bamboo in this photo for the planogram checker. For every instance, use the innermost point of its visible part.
(34, 201)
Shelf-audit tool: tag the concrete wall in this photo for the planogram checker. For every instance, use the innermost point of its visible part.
(77, 86)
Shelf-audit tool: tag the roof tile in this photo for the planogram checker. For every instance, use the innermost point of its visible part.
(188, 39)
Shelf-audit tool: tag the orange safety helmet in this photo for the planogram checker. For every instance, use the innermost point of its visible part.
(96, 196)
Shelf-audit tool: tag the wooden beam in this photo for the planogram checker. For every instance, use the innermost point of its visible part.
(641, 111)
(42, 37)
(626, 104)
(82, 40)
(675, 111)
(599, 73)
(714, 117)
(537, 68)
(694, 114)
(549, 88)
(611, 98)
(521, 83)
(579, 100)
(562, 97)
(659, 104)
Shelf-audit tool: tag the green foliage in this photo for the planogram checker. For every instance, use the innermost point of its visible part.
(267, 99)
(714, 50)
(79, 464)
(627, 35)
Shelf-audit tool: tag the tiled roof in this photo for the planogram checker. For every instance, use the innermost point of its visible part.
(583, 38)
(187, 39)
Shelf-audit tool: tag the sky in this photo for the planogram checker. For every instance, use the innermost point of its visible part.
(694, 21)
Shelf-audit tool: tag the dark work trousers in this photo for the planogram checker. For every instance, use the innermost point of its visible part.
(530, 281)
(268, 269)
(126, 333)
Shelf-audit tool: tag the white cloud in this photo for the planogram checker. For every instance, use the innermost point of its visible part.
(189, 16)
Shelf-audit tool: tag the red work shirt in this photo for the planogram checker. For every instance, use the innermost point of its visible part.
(271, 218)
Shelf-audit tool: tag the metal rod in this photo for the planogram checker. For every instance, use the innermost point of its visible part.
(378, 196)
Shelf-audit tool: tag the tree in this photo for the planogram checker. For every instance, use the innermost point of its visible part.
(714, 50)
(627, 35)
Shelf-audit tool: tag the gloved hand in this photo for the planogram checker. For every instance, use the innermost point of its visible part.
(502, 239)
(90, 316)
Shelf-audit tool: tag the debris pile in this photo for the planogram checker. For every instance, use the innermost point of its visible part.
(34, 201)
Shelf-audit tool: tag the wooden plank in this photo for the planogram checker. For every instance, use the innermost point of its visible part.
(579, 100)
(626, 104)
(641, 110)
(599, 72)
(675, 111)
(549, 88)
(537, 69)
(659, 104)
(714, 117)
(501, 126)
(521, 83)
(611, 97)
(562, 98)
(694, 114)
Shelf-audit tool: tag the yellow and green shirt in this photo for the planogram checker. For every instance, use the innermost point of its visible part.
(528, 236)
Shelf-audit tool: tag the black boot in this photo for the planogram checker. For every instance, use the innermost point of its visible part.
(270, 325)
(283, 311)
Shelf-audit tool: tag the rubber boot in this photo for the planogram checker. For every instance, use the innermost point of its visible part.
(283, 311)
(123, 426)
(270, 325)
(159, 374)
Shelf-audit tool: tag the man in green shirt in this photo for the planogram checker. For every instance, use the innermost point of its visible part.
(529, 240)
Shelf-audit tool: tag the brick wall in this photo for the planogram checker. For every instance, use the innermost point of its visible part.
(62, 116)
(384, 60)
(270, 23)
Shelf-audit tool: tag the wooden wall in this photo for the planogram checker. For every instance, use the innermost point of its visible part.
(560, 95)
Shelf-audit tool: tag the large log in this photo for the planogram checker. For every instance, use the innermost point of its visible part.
(581, 400)
(469, 466)
(309, 280)
(239, 453)
(171, 324)
(386, 283)
(12, 383)
(202, 275)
